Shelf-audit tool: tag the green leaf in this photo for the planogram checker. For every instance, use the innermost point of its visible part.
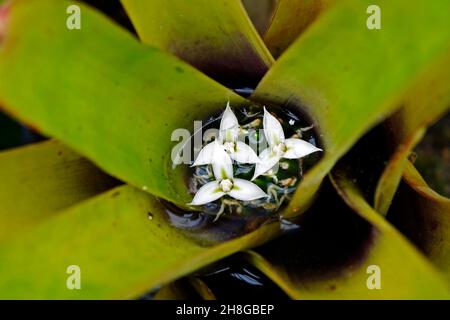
(171, 291)
(424, 104)
(202, 288)
(289, 20)
(103, 93)
(217, 37)
(260, 13)
(187, 288)
(274, 272)
(39, 180)
(423, 216)
(347, 78)
(335, 249)
(120, 251)
(407, 258)
(176, 290)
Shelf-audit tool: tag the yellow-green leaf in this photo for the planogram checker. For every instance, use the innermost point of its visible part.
(121, 253)
(424, 217)
(423, 104)
(41, 179)
(176, 290)
(260, 13)
(202, 288)
(347, 78)
(290, 18)
(171, 291)
(104, 94)
(341, 248)
(216, 36)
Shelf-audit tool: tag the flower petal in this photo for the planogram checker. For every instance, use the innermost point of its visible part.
(229, 126)
(246, 191)
(272, 129)
(268, 161)
(221, 163)
(244, 154)
(297, 148)
(208, 193)
(206, 155)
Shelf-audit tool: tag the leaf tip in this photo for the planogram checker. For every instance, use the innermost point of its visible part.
(4, 14)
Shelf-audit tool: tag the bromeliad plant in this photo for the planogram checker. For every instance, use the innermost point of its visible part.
(116, 100)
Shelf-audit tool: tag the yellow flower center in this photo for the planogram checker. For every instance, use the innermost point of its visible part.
(226, 185)
(279, 149)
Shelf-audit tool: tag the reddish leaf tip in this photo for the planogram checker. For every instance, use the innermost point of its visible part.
(4, 13)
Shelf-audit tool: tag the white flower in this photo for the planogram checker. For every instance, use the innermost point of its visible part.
(279, 147)
(225, 183)
(228, 139)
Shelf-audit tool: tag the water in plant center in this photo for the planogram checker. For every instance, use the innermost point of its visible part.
(279, 183)
(227, 217)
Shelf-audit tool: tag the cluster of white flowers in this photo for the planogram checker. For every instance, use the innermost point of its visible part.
(221, 152)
